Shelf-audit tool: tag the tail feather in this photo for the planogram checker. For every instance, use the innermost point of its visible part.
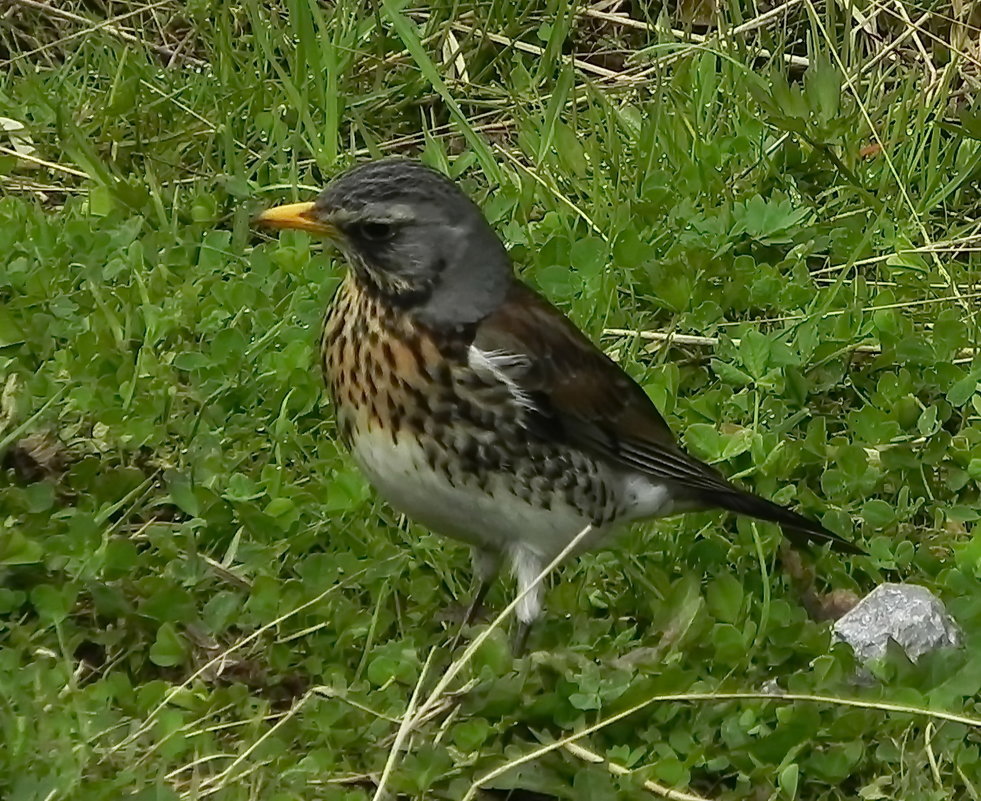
(801, 531)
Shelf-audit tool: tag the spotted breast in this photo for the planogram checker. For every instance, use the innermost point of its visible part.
(438, 437)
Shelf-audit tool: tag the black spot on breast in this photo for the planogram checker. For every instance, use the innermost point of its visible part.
(441, 414)
(432, 453)
(359, 328)
(440, 373)
(423, 404)
(388, 354)
(395, 421)
(468, 452)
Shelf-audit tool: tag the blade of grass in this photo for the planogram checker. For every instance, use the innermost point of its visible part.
(406, 31)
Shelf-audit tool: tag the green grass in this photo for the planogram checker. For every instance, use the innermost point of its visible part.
(200, 597)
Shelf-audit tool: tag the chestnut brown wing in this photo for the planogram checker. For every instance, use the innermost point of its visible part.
(571, 389)
(567, 389)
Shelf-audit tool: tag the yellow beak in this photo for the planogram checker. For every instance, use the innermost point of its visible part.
(300, 216)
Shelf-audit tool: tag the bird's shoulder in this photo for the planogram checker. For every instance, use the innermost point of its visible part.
(562, 375)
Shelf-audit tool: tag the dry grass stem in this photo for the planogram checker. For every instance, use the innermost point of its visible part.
(671, 338)
(109, 25)
(581, 752)
(721, 39)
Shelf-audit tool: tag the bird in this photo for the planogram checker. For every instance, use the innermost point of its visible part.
(473, 405)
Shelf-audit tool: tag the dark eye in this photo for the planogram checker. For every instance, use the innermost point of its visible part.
(376, 231)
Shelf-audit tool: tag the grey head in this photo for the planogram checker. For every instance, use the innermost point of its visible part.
(410, 234)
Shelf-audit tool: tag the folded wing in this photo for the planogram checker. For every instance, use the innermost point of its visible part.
(564, 387)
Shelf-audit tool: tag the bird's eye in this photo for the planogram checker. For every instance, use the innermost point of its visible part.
(376, 231)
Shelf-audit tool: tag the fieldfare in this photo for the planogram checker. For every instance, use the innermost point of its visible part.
(472, 404)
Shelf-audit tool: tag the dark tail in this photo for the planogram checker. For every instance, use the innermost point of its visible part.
(798, 529)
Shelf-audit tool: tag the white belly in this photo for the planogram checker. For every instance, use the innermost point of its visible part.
(488, 516)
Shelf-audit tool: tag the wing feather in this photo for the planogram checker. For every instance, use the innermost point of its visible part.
(563, 386)
(558, 376)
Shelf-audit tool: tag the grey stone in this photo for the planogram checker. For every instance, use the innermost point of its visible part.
(910, 615)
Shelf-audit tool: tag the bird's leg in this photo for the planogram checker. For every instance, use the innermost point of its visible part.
(477, 603)
(486, 565)
(526, 566)
(520, 642)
